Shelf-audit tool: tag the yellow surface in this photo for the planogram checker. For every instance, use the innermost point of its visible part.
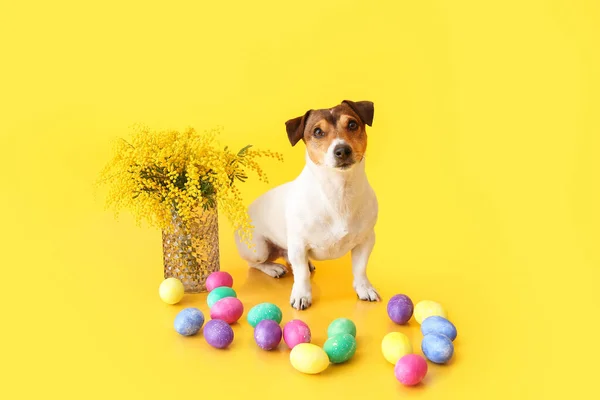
(484, 154)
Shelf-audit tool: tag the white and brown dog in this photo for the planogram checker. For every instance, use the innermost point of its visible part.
(329, 210)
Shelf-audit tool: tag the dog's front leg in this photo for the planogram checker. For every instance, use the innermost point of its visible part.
(301, 297)
(360, 258)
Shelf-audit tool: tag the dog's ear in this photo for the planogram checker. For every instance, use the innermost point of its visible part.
(364, 109)
(295, 128)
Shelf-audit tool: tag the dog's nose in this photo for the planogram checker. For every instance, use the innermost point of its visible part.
(342, 151)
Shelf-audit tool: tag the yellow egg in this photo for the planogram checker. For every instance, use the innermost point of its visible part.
(394, 346)
(428, 308)
(309, 358)
(171, 290)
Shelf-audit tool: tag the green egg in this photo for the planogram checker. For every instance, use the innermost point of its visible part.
(219, 293)
(341, 325)
(264, 311)
(340, 348)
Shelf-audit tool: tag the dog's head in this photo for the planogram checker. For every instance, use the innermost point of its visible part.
(335, 137)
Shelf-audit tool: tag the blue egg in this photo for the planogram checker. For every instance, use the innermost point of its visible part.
(437, 348)
(189, 321)
(441, 325)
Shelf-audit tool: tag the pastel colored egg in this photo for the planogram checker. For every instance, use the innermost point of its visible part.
(441, 325)
(171, 290)
(218, 333)
(296, 332)
(267, 334)
(341, 325)
(309, 358)
(437, 348)
(428, 308)
(189, 321)
(400, 308)
(340, 348)
(218, 279)
(218, 294)
(394, 346)
(229, 309)
(264, 311)
(410, 369)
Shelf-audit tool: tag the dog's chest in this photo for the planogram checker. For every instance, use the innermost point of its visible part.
(333, 236)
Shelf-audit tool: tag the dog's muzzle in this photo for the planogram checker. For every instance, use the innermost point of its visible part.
(343, 156)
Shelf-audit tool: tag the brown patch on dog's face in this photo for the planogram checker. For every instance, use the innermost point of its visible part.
(338, 127)
(336, 136)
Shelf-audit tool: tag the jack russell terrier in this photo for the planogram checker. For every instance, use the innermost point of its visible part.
(329, 210)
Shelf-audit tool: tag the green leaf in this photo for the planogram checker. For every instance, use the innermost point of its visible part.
(243, 151)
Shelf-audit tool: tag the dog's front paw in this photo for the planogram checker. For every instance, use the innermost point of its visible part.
(301, 297)
(366, 292)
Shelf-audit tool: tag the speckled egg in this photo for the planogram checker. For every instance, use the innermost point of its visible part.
(229, 309)
(296, 332)
(437, 348)
(410, 369)
(341, 325)
(218, 279)
(218, 294)
(309, 358)
(340, 348)
(400, 308)
(394, 346)
(264, 311)
(267, 334)
(218, 333)
(189, 321)
(427, 308)
(441, 325)
(171, 290)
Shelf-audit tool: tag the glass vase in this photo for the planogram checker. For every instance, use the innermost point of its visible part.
(191, 251)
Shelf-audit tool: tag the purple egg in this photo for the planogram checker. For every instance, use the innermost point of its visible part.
(218, 333)
(267, 334)
(400, 308)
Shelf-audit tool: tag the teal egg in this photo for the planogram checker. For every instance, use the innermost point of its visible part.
(218, 294)
(264, 311)
(340, 348)
(341, 325)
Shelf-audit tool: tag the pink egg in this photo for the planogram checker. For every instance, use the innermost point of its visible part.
(296, 332)
(411, 369)
(228, 309)
(218, 279)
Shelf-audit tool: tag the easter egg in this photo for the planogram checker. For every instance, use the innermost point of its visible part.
(437, 348)
(218, 294)
(267, 334)
(340, 348)
(189, 321)
(441, 325)
(218, 333)
(309, 358)
(263, 311)
(296, 332)
(394, 346)
(229, 309)
(171, 290)
(341, 325)
(218, 279)
(427, 308)
(410, 369)
(400, 308)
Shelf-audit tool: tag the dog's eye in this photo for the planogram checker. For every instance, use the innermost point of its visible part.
(352, 125)
(318, 132)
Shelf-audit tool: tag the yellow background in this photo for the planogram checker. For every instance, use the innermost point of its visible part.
(484, 154)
